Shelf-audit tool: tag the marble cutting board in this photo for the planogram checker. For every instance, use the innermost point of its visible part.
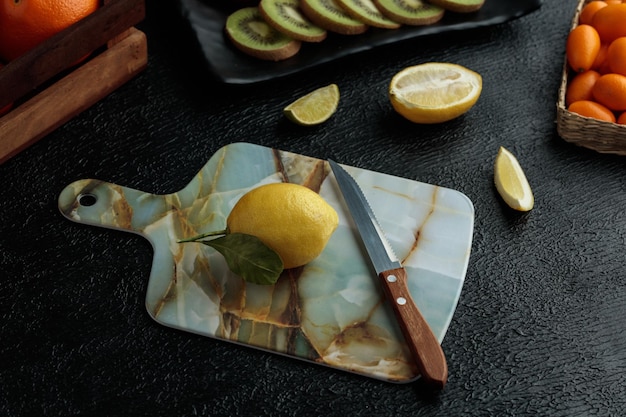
(331, 311)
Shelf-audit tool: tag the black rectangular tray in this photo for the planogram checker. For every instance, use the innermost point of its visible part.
(231, 66)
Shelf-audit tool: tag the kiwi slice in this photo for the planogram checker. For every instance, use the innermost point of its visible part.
(285, 16)
(459, 6)
(328, 14)
(367, 12)
(251, 34)
(410, 12)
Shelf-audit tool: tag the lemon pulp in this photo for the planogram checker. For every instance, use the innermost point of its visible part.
(434, 92)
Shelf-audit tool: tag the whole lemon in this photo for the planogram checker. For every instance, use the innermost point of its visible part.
(291, 219)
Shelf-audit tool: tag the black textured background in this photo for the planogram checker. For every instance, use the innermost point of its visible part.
(539, 328)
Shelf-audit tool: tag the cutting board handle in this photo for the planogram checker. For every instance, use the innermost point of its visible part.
(104, 204)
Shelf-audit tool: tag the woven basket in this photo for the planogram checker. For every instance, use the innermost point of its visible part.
(601, 136)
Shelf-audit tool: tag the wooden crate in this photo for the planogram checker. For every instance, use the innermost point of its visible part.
(48, 88)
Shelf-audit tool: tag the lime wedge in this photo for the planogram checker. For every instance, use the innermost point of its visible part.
(315, 107)
(511, 182)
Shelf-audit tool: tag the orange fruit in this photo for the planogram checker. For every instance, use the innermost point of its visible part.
(580, 87)
(613, 1)
(616, 55)
(610, 22)
(24, 24)
(622, 119)
(6, 108)
(610, 91)
(582, 48)
(587, 12)
(600, 64)
(592, 109)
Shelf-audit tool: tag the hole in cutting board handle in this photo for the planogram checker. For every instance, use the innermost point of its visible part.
(87, 200)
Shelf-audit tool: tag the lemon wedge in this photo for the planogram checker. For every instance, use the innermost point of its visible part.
(511, 182)
(434, 92)
(315, 107)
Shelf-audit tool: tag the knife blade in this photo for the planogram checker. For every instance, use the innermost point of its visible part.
(421, 341)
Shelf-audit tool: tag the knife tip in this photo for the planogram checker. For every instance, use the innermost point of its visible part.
(333, 165)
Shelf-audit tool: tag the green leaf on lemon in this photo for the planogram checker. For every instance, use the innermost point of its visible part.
(248, 257)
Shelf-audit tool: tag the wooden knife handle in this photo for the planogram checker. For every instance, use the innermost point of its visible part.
(420, 339)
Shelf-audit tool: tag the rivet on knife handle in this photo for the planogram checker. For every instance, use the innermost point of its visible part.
(420, 340)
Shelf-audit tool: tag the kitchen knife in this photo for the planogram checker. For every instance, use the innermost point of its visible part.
(424, 346)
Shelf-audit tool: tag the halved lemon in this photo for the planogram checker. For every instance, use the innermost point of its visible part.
(511, 182)
(315, 107)
(434, 92)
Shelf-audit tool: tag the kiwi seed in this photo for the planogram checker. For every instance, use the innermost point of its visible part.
(329, 15)
(367, 12)
(410, 12)
(285, 16)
